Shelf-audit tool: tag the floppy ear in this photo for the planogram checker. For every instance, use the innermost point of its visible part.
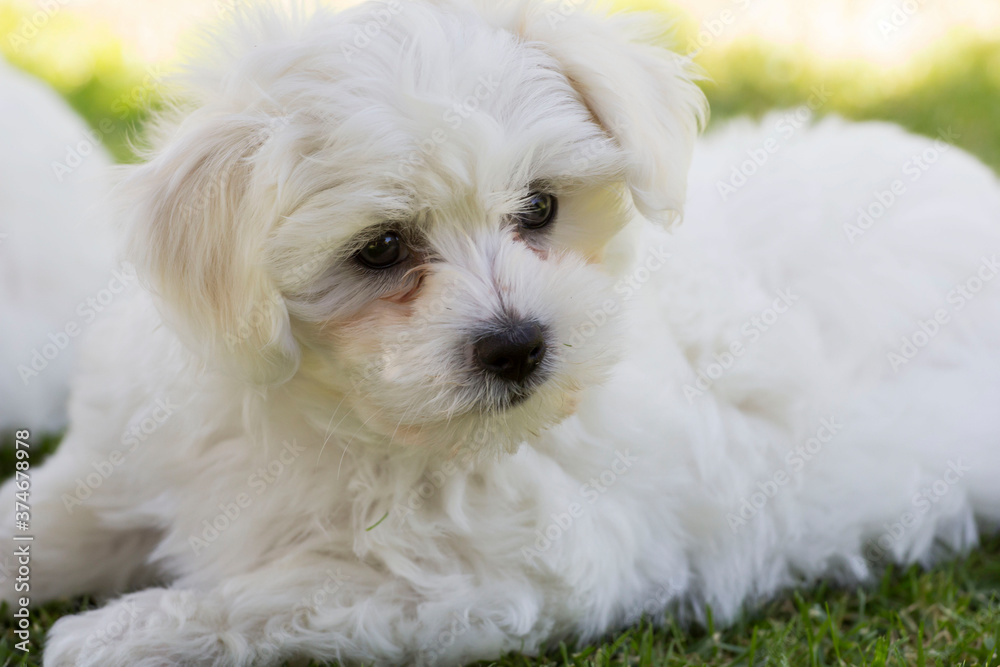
(197, 220)
(641, 93)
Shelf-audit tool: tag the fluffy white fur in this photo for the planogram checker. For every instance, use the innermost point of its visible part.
(265, 385)
(54, 253)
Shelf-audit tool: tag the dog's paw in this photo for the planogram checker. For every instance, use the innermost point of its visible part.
(73, 638)
(152, 628)
(108, 636)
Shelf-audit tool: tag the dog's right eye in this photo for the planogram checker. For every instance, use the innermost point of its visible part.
(383, 251)
(539, 210)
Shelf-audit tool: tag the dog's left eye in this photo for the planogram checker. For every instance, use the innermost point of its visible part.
(539, 210)
(383, 251)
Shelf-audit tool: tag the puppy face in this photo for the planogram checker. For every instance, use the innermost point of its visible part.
(404, 208)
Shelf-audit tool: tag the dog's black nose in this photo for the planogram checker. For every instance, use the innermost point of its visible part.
(513, 352)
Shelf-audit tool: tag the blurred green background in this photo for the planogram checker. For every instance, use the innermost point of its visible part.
(948, 616)
(954, 81)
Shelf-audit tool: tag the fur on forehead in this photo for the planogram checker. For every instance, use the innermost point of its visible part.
(382, 112)
(423, 124)
(536, 71)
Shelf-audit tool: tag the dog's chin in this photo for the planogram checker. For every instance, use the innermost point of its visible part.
(513, 399)
(507, 397)
(491, 428)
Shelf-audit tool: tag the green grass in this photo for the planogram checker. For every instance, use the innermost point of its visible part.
(953, 84)
(947, 616)
(88, 65)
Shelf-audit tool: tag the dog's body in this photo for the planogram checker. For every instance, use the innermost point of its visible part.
(758, 424)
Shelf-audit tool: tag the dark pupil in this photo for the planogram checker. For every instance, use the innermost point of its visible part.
(382, 251)
(538, 210)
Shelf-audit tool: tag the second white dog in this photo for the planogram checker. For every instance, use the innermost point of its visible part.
(414, 381)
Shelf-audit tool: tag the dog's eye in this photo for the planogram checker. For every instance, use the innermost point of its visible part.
(539, 210)
(383, 251)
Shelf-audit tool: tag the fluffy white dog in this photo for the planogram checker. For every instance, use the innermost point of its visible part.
(424, 373)
(54, 252)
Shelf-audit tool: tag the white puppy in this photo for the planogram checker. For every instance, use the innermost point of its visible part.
(422, 375)
(54, 254)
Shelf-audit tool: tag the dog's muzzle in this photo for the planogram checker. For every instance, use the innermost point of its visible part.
(511, 353)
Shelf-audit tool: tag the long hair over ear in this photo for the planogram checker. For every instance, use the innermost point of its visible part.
(196, 223)
(643, 94)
